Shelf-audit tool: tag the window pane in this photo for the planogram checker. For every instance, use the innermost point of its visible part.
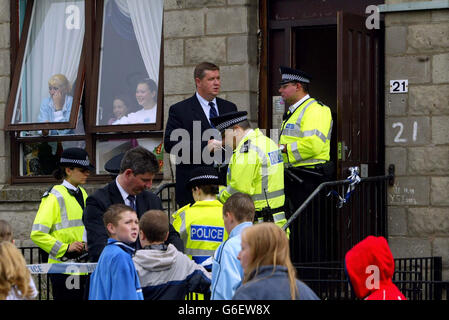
(41, 158)
(51, 61)
(107, 149)
(129, 62)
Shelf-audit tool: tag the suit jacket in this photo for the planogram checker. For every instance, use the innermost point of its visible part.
(99, 202)
(182, 116)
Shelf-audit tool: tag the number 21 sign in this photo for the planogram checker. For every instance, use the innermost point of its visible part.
(398, 86)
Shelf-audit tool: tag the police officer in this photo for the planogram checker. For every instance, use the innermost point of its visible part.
(200, 224)
(255, 168)
(58, 227)
(304, 138)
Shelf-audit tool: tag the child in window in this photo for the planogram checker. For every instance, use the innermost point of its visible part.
(120, 108)
(115, 277)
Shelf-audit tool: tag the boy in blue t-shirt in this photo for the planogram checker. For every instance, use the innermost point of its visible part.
(115, 277)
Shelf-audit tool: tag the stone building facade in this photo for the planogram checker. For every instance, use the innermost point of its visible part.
(417, 132)
(226, 32)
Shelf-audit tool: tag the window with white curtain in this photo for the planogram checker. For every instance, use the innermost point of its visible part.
(129, 62)
(50, 65)
(86, 74)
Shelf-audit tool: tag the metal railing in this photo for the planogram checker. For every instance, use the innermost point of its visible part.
(416, 278)
(166, 192)
(326, 226)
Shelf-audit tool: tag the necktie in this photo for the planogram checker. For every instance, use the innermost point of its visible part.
(132, 201)
(213, 112)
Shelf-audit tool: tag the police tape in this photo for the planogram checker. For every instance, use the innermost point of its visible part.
(44, 268)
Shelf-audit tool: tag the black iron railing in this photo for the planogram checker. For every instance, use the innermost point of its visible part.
(325, 226)
(416, 278)
(166, 192)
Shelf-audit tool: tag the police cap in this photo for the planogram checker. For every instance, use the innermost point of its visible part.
(229, 119)
(293, 75)
(75, 157)
(204, 175)
(113, 165)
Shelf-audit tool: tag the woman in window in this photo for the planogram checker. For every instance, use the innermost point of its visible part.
(146, 95)
(57, 107)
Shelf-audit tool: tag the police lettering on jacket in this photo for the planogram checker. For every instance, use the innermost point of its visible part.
(206, 233)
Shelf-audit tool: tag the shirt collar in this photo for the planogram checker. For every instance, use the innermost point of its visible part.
(68, 185)
(292, 108)
(239, 228)
(203, 101)
(122, 191)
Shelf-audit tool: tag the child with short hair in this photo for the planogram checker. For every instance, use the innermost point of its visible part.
(115, 277)
(165, 273)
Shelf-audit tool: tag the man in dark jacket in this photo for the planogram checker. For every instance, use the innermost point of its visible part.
(137, 170)
(189, 134)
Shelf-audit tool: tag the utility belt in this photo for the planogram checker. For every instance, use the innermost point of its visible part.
(321, 171)
(75, 257)
(267, 214)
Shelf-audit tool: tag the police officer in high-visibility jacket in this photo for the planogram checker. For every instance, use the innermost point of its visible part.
(255, 168)
(201, 224)
(304, 137)
(58, 228)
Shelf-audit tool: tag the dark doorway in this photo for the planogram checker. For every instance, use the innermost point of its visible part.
(315, 50)
(330, 41)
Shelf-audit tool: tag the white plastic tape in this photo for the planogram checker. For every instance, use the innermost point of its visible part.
(61, 268)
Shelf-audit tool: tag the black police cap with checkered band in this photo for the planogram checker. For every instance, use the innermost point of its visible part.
(204, 175)
(291, 75)
(75, 157)
(227, 120)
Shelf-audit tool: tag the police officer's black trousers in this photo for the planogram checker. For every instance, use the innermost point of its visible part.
(65, 286)
(308, 229)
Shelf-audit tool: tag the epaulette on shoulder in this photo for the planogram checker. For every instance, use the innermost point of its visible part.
(182, 209)
(46, 193)
(245, 147)
(320, 103)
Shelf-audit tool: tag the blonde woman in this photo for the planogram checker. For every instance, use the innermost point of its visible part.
(268, 271)
(57, 107)
(15, 279)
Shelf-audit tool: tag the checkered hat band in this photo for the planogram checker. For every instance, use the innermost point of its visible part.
(84, 163)
(229, 123)
(207, 176)
(294, 77)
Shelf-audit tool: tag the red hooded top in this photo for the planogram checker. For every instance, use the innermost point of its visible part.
(370, 267)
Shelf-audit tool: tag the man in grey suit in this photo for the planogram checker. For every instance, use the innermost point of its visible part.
(197, 137)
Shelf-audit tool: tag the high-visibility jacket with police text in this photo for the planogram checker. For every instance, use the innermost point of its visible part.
(256, 168)
(201, 228)
(307, 134)
(58, 222)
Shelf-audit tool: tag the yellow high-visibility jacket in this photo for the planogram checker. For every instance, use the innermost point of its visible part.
(256, 168)
(201, 228)
(58, 222)
(307, 134)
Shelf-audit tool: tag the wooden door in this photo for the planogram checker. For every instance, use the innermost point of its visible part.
(359, 96)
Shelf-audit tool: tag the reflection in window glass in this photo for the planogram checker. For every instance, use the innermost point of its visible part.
(107, 149)
(129, 62)
(50, 63)
(41, 158)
